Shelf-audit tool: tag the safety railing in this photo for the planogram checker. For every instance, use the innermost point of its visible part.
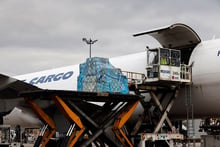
(134, 77)
(185, 73)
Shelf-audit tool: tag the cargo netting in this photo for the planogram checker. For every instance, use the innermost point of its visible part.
(98, 75)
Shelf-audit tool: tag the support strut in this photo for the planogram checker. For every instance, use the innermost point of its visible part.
(49, 128)
(73, 134)
(121, 120)
(164, 111)
(161, 108)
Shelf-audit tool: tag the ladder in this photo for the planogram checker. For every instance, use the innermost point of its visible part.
(190, 115)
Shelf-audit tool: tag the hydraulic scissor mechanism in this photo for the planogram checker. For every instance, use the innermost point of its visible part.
(49, 128)
(101, 126)
(156, 110)
(73, 133)
(121, 120)
(163, 111)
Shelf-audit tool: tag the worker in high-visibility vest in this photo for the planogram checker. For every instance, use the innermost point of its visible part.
(163, 61)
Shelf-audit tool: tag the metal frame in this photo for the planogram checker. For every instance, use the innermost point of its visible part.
(162, 99)
(49, 128)
(117, 107)
(73, 134)
(121, 120)
(162, 110)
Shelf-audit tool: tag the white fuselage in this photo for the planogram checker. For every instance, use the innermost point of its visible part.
(205, 76)
(65, 78)
(206, 81)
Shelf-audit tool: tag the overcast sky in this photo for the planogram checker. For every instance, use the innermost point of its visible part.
(42, 34)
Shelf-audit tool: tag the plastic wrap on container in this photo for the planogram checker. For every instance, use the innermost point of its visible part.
(98, 75)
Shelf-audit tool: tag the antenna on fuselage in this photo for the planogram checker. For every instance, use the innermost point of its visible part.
(89, 42)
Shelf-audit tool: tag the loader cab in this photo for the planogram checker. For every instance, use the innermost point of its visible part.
(163, 64)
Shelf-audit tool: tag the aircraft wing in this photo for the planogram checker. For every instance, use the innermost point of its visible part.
(10, 87)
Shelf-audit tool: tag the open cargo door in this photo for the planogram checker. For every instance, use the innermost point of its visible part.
(177, 36)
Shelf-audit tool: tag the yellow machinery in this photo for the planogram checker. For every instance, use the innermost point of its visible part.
(121, 120)
(49, 128)
(73, 134)
(114, 115)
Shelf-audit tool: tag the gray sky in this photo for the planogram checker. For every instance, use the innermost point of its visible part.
(43, 34)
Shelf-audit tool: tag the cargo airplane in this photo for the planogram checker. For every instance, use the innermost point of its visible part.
(203, 56)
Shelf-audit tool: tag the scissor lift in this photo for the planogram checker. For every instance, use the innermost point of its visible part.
(165, 75)
(49, 127)
(113, 115)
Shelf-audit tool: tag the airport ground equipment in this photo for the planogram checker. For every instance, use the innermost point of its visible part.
(72, 135)
(5, 139)
(169, 138)
(99, 124)
(164, 64)
(210, 125)
(49, 127)
(168, 68)
(190, 122)
(210, 140)
(165, 76)
(156, 117)
(121, 120)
